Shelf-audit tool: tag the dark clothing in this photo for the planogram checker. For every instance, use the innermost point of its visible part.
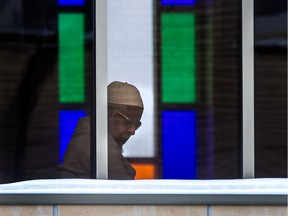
(77, 157)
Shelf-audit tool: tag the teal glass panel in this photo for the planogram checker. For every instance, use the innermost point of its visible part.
(71, 58)
(178, 61)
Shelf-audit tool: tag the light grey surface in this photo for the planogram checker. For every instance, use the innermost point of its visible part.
(248, 88)
(143, 199)
(101, 90)
(205, 192)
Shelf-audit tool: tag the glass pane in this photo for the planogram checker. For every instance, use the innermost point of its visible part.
(46, 50)
(271, 88)
(178, 77)
(184, 57)
(130, 59)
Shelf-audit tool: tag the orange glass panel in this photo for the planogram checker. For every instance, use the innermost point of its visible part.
(144, 171)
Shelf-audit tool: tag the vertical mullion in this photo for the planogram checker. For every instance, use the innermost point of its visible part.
(209, 91)
(101, 90)
(248, 158)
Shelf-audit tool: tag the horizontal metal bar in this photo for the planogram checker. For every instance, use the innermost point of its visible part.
(144, 199)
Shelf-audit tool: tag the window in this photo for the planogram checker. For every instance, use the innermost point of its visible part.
(46, 78)
(270, 89)
(185, 57)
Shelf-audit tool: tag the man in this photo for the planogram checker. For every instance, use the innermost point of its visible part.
(125, 108)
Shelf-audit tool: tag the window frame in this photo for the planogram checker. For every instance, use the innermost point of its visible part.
(144, 199)
(248, 164)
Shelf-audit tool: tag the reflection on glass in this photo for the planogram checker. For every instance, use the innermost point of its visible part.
(178, 58)
(68, 122)
(46, 49)
(130, 59)
(71, 2)
(270, 41)
(178, 2)
(71, 58)
(182, 59)
(125, 108)
(179, 143)
(192, 67)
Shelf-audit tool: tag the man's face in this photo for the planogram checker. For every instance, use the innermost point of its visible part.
(123, 122)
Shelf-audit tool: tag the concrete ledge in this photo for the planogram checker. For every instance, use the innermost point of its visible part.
(141, 192)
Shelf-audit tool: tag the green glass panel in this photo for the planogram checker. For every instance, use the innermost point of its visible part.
(71, 58)
(178, 58)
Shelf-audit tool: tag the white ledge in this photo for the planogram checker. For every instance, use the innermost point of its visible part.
(91, 186)
(88, 191)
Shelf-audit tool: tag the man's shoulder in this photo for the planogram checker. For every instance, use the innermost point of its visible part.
(113, 147)
(84, 121)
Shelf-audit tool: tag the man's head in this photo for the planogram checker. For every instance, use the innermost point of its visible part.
(125, 108)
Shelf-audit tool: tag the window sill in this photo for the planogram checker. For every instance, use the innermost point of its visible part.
(267, 191)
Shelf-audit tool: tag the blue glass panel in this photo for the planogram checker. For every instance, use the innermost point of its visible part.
(178, 144)
(68, 123)
(70, 2)
(178, 2)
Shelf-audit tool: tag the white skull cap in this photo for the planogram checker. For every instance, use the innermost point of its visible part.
(124, 94)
